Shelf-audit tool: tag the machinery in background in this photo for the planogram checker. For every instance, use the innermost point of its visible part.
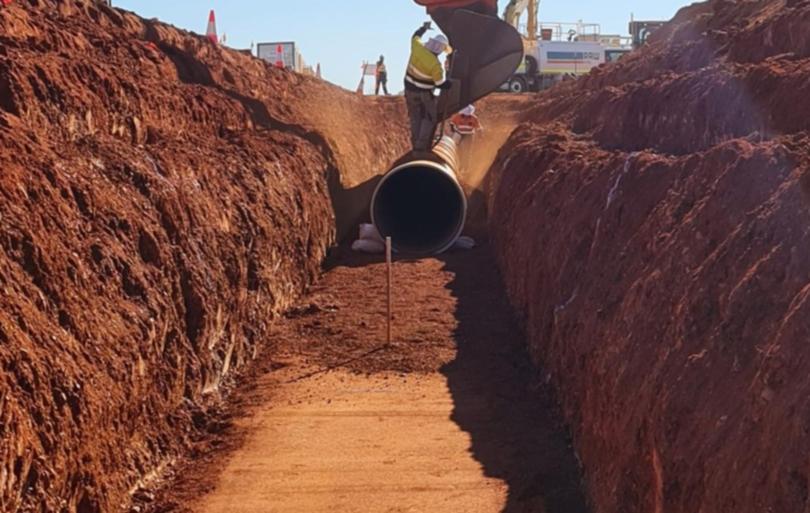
(640, 31)
(554, 52)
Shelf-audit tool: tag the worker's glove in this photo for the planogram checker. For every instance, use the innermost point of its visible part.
(427, 26)
(446, 85)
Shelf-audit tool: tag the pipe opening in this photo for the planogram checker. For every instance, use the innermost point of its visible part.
(421, 207)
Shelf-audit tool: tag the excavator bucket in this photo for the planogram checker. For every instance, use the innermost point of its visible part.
(442, 10)
(486, 52)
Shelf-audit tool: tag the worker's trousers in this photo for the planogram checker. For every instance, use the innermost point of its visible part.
(382, 81)
(422, 109)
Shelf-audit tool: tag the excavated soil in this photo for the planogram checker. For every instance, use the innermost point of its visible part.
(653, 224)
(162, 202)
(165, 201)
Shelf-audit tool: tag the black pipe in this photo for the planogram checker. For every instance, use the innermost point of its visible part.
(420, 203)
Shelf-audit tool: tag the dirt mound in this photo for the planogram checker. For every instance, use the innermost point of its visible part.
(162, 200)
(653, 225)
(721, 70)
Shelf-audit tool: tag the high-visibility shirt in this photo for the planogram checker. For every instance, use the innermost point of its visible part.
(424, 68)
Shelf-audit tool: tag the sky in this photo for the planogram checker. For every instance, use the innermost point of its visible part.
(341, 34)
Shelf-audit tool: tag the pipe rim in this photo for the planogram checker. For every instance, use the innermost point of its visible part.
(442, 167)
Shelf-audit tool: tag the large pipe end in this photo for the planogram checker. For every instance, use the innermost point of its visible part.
(421, 206)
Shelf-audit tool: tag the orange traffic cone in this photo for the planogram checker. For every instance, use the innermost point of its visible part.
(211, 32)
(280, 57)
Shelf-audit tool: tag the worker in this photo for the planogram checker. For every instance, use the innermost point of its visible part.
(423, 77)
(466, 123)
(382, 76)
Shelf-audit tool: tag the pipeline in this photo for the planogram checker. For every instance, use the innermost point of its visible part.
(420, 203)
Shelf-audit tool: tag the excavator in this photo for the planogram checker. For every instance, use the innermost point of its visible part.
(486, 50)
(515, 9)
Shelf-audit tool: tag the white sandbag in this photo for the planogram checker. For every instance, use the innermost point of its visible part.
(369, 232)
(465, 243)
(369, 246)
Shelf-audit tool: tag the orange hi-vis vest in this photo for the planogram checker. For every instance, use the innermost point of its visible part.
(465, 125)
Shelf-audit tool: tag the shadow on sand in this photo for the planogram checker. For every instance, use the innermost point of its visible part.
(516, 430)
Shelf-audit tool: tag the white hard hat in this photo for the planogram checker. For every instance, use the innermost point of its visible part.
(469, 110)
(438, 44)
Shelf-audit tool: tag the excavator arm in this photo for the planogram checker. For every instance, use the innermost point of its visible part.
(514, 10)
(486, 50)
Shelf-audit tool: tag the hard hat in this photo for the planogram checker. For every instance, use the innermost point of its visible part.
(438, 44)
(469, 110)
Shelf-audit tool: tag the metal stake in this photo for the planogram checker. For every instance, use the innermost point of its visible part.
(390, 266)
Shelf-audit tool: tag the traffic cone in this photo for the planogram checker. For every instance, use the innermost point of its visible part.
(362, 86)
(211, 32)
(280, 57)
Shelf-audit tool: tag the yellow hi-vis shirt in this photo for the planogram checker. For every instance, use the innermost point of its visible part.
(424, 68)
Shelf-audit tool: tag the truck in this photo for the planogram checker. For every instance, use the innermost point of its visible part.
(558, 51)
(549, 62)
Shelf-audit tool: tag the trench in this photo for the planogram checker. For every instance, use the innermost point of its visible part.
(451, 417)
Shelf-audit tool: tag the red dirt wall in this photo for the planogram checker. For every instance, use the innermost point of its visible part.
(161, 200)
(653, 227)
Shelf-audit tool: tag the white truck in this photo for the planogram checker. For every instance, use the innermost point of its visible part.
(552, 61)
(557, 51)
(561, 55)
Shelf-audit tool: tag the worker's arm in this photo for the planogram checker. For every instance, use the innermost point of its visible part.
(422, 30)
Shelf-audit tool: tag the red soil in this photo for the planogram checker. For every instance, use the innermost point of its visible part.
(653, 225)
(162, 201)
